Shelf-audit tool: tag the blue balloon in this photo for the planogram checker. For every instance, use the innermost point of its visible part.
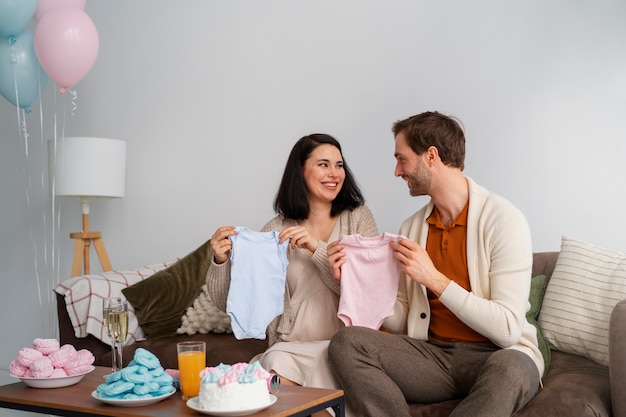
(20, 71)
(15, 15)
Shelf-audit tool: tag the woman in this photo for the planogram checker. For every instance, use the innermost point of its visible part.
(317, 202)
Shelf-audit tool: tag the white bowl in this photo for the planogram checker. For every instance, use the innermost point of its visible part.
(64, 381)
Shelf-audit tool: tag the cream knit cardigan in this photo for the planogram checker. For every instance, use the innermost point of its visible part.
(499, 258)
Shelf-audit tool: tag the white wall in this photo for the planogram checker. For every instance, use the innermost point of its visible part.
(211, 95)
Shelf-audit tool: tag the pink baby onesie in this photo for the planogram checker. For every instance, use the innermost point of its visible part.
(369, 280)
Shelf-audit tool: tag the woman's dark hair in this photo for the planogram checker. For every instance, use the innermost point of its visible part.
(292, 199)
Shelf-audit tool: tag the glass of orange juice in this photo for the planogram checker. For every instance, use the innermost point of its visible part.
(191, 360)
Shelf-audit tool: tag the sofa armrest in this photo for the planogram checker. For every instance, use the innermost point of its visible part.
(617, 358)
(67, 335)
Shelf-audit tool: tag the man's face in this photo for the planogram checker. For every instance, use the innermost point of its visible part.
(411, 167)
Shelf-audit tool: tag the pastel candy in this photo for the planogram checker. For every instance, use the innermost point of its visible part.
(84, 357)
(81, 363)
(133, 396)
(46, 346)
(144, 377)
(63, 356)
(102, 392)
(146, 358)
(112, 377)
(146, 388)
(136, 374)
(26, 356)
(165, 379)
(42, 367)
(158, 371)
(166, 389)
(118, 387)
(175, 373)
(77, 370)
(17, 369)
(58, 373)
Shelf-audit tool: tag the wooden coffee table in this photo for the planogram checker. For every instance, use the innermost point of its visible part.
(76, 400)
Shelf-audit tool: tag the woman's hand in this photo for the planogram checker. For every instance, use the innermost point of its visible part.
(221, 244)
(336, 258)
(299, 237)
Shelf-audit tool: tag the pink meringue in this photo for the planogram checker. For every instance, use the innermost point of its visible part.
(46, 346)
(81, 362)
(63, 356)
(77, 370)
(26, 356)
(42, 367)
(84, 357)
(17, 369)
(58, 373)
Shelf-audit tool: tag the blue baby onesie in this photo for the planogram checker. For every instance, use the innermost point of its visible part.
(257, 282)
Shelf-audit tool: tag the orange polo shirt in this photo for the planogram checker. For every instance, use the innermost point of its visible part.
(446, 246)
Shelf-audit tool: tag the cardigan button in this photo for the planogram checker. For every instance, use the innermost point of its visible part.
(423, 315)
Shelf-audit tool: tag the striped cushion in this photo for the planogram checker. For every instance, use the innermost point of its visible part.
(586, 284)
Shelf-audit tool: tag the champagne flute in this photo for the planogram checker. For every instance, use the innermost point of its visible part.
(115, 320)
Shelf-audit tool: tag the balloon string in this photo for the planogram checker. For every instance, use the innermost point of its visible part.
(74, 94)
(24, 135)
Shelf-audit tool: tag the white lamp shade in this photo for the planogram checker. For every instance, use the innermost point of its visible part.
(87, 167)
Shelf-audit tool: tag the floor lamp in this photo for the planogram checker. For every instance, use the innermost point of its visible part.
(87, 168)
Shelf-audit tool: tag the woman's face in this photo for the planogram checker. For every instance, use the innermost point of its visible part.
(323, 173)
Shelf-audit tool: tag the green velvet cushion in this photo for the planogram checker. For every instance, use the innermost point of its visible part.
(537, 289)
(161, 299)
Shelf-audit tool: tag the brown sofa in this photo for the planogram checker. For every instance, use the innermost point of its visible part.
(221, 347)
(574, 386)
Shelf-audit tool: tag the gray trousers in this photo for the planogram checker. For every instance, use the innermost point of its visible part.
(380, 372)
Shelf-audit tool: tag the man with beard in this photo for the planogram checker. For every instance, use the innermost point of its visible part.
(459, 327)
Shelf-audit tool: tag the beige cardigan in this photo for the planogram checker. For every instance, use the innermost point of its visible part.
(499, 260)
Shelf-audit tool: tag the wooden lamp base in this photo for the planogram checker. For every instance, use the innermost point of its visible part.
(82, 247)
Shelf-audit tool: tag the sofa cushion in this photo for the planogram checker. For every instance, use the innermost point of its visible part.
(83, 300)
(161, 300)
(586, 284)
(537, 291)
(204, 317)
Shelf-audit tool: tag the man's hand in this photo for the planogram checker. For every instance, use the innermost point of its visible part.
(415, 262)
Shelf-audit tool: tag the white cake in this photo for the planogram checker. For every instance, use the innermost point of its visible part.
(241, 386)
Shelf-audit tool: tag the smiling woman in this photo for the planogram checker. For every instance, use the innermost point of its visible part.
(317, 202)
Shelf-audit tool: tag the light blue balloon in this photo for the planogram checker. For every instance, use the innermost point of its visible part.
(15, 15)
(20, 70)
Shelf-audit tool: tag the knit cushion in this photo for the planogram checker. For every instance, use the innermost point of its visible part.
(203, 317)
(586, 284)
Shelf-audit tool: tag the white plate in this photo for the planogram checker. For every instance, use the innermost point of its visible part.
(193, 404)
(132, 403)
(64, 381)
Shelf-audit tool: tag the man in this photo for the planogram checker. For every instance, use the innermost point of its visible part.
(459, 326)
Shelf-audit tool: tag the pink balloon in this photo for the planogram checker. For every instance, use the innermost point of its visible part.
(46, 6)
(66, 43)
